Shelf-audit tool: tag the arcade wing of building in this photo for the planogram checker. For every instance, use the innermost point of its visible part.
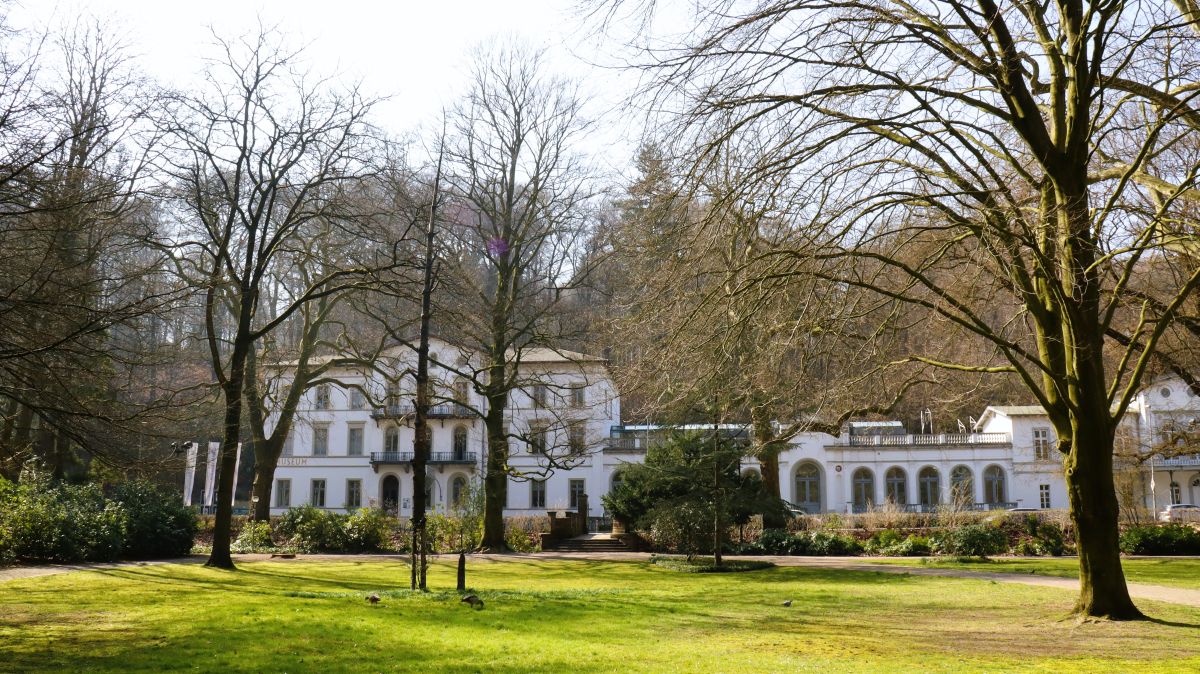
(351, 446)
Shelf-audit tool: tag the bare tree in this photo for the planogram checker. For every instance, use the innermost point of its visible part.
(80, 245)
(258, 154)
(518, 216)
(1038, 145)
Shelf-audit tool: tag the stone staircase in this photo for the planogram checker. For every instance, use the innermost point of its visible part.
(587, 543)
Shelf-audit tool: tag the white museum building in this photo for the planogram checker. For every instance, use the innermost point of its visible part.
(351, 445)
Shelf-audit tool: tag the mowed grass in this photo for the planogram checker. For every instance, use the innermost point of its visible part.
(1172, 572)
(563, 616)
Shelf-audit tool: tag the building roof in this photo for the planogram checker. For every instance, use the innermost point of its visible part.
(1019, 410)
(530, 355)
(539, 354)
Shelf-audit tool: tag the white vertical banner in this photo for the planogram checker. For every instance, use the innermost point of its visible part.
(237, 463)
(189, 475)
(210, 475)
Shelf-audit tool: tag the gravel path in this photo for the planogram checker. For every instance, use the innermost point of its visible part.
(1173, 595)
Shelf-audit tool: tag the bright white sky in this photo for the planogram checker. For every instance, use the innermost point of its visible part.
(415, 51)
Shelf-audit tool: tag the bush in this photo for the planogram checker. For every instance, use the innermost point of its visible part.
(367, 530)
(158, 525)
(782, 542)
(891, 543)
(48, 522)
(311, 529)
(829, 544)
(1168, 539)
(972, 540)
(254, 537)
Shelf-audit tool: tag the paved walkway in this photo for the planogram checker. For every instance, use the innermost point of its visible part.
(16, 572)
(1172, 595)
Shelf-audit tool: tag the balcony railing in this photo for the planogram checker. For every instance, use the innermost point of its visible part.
(1186, 461)
(435, 458)
(442, 411)
(938, 507)
(925, 440)
(630, 444)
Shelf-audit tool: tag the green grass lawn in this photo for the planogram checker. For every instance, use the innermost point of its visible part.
(563, 616)
(1157, 571)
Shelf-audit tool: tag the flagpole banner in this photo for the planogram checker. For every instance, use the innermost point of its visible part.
(189, 475)
(210, 475)
(237, 463)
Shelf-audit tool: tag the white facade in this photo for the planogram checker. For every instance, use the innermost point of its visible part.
(1009, 459)
(351, 445)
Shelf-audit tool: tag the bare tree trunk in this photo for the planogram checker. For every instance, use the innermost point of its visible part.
(266, 460)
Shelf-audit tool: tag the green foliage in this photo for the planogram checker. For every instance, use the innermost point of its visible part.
(972, 540)
(815, 543)
(686, 487)
(829, 544)
(1168, 539)
(254, 537)
(892, 543)
(520, 539)
(312, 529)
(52, 522)
(367, 530)
(159, 525)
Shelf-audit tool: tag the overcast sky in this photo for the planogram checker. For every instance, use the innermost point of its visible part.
(413, 50)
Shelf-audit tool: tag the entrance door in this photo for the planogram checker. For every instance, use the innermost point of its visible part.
(391, 494)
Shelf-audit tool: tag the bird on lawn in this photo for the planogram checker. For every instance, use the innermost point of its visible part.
(373, 598)
(475, 602)
(787, 603)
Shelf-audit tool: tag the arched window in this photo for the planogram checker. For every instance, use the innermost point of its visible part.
(393, 397)
(962, 486)
(458, 491)
(929, 487)
(864, 489)
(808, 487)
(390, 494)
(461, 393)
(897, 486)
(391, 439)
(993, 485)
(460, 443)
(1176, 494)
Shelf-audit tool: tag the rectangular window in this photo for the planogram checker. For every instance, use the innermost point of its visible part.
(578, 397)
(354, 440)
(353, 494)
(288, 444)
(576, 489)
(1041, 444)
(358, 400)
(577, 437)
(539, 395)
(1044, 494)
(537, 493)
(317, 498)
(320, 441)
(283, 493)
(322, 402)
(537, 438)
